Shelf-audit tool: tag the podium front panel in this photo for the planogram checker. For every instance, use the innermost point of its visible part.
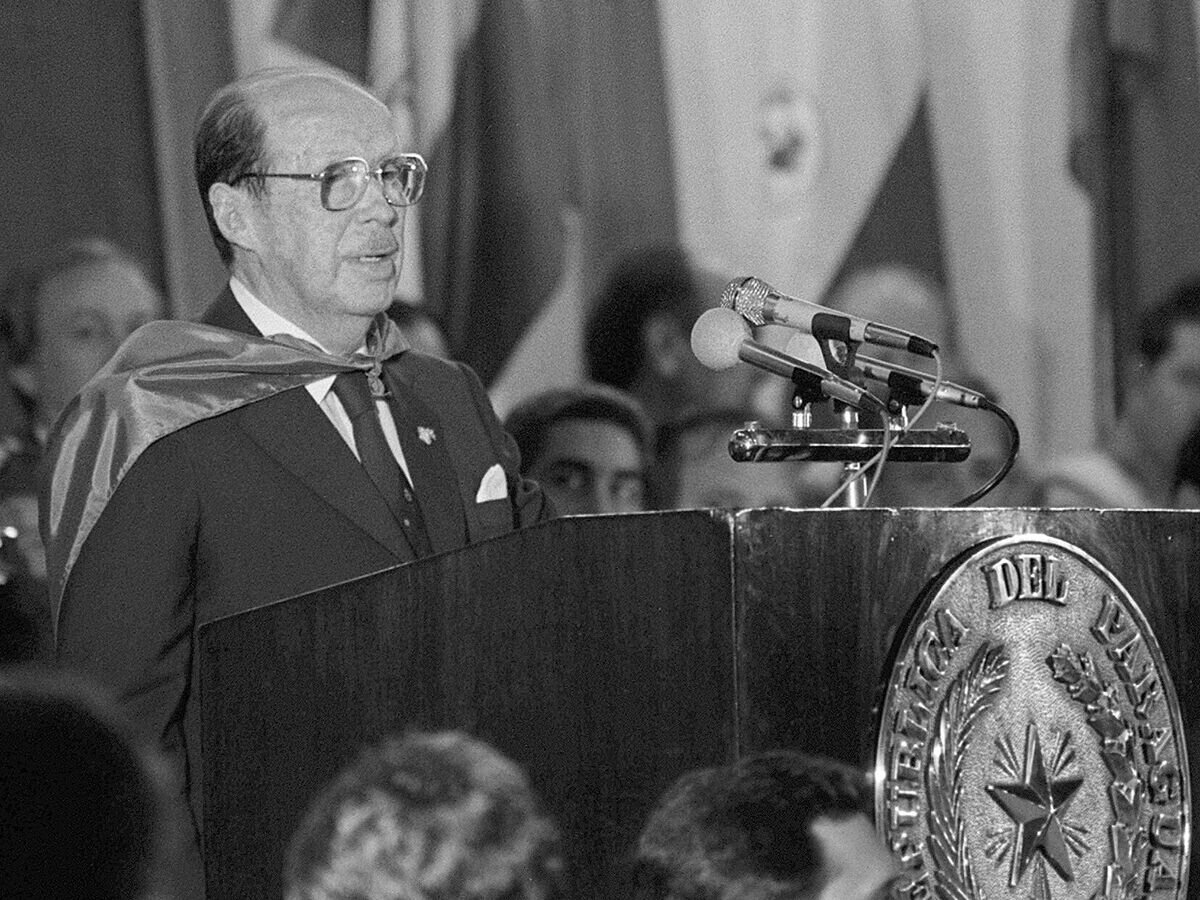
(596, 652)
(608, 655)
(823, 596)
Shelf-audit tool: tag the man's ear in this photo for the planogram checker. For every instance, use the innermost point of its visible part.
(233, 214)
(664, 345)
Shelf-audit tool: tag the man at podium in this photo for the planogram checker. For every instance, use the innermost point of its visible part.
(290, 442)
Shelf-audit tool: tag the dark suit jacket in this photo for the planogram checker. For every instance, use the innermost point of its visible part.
(259, 504)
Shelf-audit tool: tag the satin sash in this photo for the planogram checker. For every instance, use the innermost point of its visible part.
(166, 376)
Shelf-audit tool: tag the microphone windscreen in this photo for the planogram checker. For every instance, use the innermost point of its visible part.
(717, 337)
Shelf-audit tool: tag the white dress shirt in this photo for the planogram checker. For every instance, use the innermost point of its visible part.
(271, 323)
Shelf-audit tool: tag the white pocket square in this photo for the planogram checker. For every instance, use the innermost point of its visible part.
(493, 486)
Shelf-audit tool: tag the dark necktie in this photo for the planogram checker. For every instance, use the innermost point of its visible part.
(376, 456)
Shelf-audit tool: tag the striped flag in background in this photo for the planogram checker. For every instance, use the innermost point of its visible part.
(802, 141)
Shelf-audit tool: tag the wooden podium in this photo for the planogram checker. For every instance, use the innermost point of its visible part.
(610, 654)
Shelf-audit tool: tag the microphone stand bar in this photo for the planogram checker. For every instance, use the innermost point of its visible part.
(755, 443)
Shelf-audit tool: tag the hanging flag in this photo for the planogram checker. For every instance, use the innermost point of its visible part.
(333, 33)
(492, 227)
(801, 137)
(1135, 129)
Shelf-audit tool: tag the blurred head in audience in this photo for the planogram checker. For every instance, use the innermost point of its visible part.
(419, 328)
(589, 447)
(1162, 398)
(425, 817)
(26, 635)
(1187, 472)
(945, 483)
(903, 297)
(81, 800)
(693, 469)
(64, 318)
(24, 630)
(777, 825)
(638, 336)
(18, 500)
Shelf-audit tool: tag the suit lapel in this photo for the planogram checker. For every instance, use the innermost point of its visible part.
(433, 475)
(293, 429)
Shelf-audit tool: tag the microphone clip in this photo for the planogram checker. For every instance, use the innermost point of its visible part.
(838, 356)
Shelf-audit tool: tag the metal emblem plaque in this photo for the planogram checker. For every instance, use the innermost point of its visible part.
(1030, 743)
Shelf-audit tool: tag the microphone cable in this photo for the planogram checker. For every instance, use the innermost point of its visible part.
(1014, 445)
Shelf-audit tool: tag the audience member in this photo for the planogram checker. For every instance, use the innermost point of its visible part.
(945, 483)
(772, 826)
(419, 328)
(901, 296)
(693, 469)
(63, 318)
(18, 500)
(60, 321)
(24, 620)
(907, 298)
(1137, 467)
(638, 337)
(589, 447)
(438, 816)
(1187, 472)
(81, 800)
(297, 445)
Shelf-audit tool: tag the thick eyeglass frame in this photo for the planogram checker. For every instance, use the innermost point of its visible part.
(358, 169)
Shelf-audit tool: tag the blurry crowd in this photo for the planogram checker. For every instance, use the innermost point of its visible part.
(423, 815)
(650, 427)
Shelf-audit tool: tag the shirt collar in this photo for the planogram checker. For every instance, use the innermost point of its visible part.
(271, 323)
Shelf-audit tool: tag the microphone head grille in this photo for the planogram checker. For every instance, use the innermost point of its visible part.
(747, 296)
(730, 294)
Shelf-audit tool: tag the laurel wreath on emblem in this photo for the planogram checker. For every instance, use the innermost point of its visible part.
(971, 694)
(1078, 672)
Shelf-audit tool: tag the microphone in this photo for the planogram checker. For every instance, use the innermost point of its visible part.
(904, 380)
(910, 381)
(761, 304)
(721, 337)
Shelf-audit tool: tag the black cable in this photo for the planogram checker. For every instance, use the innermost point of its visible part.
(1014, 445)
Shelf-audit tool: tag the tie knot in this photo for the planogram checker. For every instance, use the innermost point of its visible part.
(352, 389)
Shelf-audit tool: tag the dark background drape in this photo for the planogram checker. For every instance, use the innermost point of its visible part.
(99, 105)
(77, 154)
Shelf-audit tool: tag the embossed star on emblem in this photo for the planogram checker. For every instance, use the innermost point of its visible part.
(1037, 805)
(426, 435)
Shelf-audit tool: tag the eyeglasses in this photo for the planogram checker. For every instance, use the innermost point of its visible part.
(343, 183)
